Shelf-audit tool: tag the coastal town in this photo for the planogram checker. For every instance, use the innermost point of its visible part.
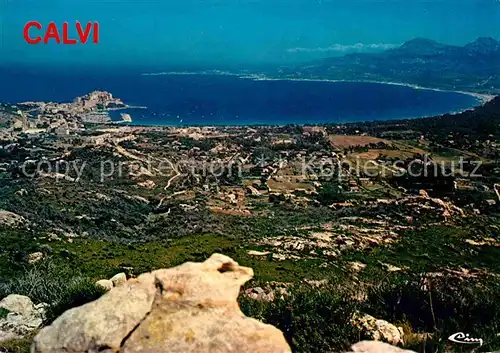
(60, 118)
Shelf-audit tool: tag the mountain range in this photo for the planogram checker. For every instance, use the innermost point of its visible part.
(473, 67)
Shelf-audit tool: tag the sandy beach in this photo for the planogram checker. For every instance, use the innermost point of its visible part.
(482, 98)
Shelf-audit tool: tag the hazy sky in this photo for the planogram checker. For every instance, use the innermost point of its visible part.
(240, 32)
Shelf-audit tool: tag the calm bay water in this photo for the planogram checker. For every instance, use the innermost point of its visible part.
(230, 100)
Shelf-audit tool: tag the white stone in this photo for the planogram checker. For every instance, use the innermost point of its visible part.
(118, 279)
(104, 283)
(35, 257)
(22, 318)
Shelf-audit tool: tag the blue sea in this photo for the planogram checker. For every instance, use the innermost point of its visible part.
(174, 99)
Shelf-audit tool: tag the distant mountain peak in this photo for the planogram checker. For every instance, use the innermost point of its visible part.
(484, 45)
(421, 46)
(486, 40)
(420, 41)
(425, 43)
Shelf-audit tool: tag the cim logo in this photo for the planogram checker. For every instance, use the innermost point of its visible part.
(35, 33)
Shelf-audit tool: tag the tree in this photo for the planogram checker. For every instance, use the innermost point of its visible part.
(330, 193)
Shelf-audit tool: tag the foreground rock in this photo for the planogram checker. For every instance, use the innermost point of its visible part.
(189, 308)
(19, 317)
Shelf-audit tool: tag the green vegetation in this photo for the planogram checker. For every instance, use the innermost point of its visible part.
(312, 320)
(3, 313)
(436, 248)
(318, 320)
(329, 193)
(53, 282)
(18, 346)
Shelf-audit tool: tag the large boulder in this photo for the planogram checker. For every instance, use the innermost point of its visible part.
(189, 308)
(19, 317)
